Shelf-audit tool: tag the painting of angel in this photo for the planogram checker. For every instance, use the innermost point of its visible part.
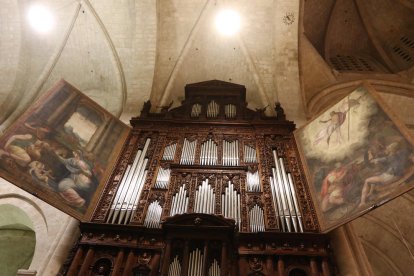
(357, 156)
(60, 149)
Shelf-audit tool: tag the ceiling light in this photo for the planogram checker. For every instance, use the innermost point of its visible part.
(40, 18)
(228, 22)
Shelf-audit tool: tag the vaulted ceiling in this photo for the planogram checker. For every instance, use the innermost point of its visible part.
(121, 53)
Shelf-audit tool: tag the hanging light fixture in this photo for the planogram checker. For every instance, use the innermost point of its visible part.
(40, 18)
(228, 22)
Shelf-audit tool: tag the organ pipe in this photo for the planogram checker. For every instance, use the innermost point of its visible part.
(253, 182)
(175, 267)
(179, 202)
(214, 269)
(249, 154)
(195, 110)
(230, 153)
(204, 199)
(152, 219)
(196, 263)
(208, 154)
(133, 201)
(256, 219)
(277, 201)
(169, 152)
(295, 201)
(289, 196)
(163, 177)
(281, 186)
(188, 154)
(230, 111)
(284, 193)
(130, 188)
(230, 206)
(212, 109)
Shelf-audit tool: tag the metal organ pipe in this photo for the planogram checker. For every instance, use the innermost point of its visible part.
(230, 207)
(289, 196)
(203, 154)
(130, 188)
(230, 153)
(214, 269)
(208, 154)
(179, 202)
(285, 196)
(133, 202)
(236, 149)
(281, 186)
(163, 177)
(204, 199)
(295, 202)
(152, 219)
(196, 263)
(169, 152)
(195, 110)
(212, 109)
(175, 267)
(249, 154)
(277, 201)
(133, 190)
(188, 154)
(256, 219)
(253, 181)
(116, 204)
(230, 111)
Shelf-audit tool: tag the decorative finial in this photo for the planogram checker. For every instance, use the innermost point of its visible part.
(280, 113)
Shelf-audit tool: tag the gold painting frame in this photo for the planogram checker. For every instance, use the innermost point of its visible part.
(357, 155)
(63, 149)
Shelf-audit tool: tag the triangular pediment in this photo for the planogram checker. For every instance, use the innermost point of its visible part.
(215, 84)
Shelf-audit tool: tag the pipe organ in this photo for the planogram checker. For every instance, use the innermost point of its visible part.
(207, 188)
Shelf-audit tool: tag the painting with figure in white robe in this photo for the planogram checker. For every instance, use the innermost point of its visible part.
(62, 149)
(357, 156)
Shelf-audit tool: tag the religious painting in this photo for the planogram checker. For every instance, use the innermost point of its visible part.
(62, 150)
(357, 156)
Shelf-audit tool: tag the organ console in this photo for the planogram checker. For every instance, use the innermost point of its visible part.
(210, 187)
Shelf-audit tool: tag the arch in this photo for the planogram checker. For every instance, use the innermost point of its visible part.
(102, 267)
(330, 94)
(17, 238)
(35, 215)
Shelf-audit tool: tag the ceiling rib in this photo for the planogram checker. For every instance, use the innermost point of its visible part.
(371, 33)
(115, 55)
(183, 53)
(32, 94)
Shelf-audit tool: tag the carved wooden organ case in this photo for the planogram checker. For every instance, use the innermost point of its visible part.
(207, 188)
